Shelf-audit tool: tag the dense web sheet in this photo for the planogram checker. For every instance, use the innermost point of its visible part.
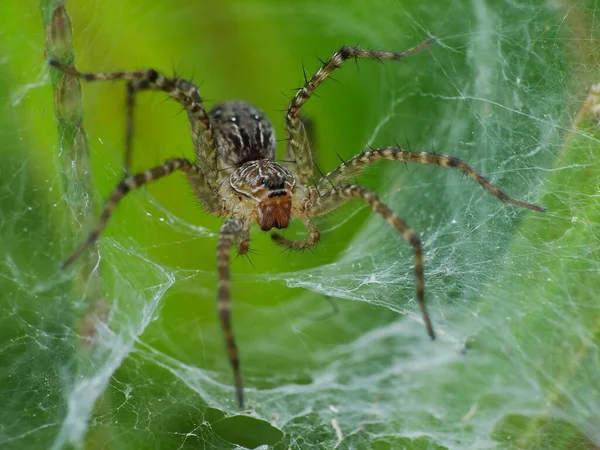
(511, 293)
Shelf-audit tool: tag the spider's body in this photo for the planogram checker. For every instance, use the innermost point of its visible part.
(268, 187)
(242, 133)
(235, 174)
(245, 141)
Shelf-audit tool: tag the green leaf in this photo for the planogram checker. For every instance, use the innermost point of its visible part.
(128, 353)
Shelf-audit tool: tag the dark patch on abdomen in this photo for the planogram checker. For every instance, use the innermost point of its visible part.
(242, 133)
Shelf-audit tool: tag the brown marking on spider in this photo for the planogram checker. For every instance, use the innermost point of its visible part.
(235, 174)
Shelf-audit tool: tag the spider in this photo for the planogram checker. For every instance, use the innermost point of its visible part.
(235, 174)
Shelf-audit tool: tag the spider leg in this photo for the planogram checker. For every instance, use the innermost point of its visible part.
(231, 231)
(311, 131)
(300, 244)
(185, 92)
(337, 197)
(129, 184)
(133, 86)
(244, 241)
(354, 166)
(311, 139)
(298, 141)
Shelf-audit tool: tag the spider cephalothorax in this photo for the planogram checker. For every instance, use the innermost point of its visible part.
(271, 186)
(235, 174)
(245, 141)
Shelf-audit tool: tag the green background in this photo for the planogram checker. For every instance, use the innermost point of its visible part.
(513, 294)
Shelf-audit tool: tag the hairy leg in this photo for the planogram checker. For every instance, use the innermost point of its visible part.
(298, 141)
(348, 170)
(133, 87)
(185, 92)
(129, 184)
(311, 141)
(230, 233)
(244, 241)
(337, 197)
(300, 244)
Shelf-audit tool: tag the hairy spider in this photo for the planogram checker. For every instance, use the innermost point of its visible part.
(235, 174)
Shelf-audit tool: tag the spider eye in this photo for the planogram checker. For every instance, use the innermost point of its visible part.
(273, 182)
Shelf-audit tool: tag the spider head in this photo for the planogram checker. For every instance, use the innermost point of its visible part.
(270, 185)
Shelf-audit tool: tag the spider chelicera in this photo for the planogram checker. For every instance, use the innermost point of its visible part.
(235, 174)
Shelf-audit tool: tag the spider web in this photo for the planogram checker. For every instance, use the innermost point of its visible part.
(512, 293)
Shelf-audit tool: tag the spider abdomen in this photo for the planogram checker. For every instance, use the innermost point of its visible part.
(242, 133)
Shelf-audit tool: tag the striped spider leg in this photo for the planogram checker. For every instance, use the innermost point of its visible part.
(325, 199)
(330, 199)
(183, 91)
(298, 141)
(231, 134)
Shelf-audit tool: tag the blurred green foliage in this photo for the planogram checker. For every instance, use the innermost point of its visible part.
(499, 91)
